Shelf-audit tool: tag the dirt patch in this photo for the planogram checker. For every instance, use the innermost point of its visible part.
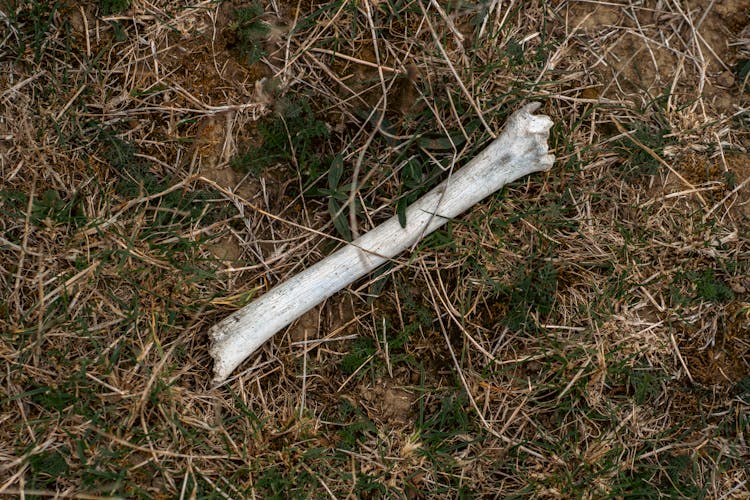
(738, 166)
(333, 319)
(213, 148)
(210, 156)
(388, 402)
(656, 48)
(202, 62)
(725, 360)
(306, 327)
(720, 177)
(226, 249)
(722, 365)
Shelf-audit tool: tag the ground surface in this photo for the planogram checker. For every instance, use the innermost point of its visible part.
(583, 333)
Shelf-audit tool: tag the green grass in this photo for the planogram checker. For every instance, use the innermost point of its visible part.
(294, 135)
(250, 30)
(108, 7)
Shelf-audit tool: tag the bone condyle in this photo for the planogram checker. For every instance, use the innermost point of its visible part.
(520, 150)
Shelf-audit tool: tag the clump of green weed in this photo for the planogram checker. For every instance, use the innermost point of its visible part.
(711, 288)
(694, 286)
(358, 427)
(135, 178)
(108, 7)
(33, 21)
(247, 33)
(48, 467)
(361, 350)
(639, 162)
(634, 380)
(337, 196)
(296, 125)
(365, 348)
(532, 293)
(413, 186)
(743, 73)
(292, 136)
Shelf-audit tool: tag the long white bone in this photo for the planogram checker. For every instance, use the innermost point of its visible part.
(520, 150)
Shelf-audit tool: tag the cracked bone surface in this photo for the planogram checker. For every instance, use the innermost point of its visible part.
(520, 150)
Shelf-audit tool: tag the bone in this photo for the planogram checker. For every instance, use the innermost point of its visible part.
(520, 150)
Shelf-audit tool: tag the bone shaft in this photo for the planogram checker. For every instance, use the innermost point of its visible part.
(503, 161)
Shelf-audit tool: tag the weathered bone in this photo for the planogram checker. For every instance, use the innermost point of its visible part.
(520, 150)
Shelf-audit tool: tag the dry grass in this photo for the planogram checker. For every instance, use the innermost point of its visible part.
(584, 333)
